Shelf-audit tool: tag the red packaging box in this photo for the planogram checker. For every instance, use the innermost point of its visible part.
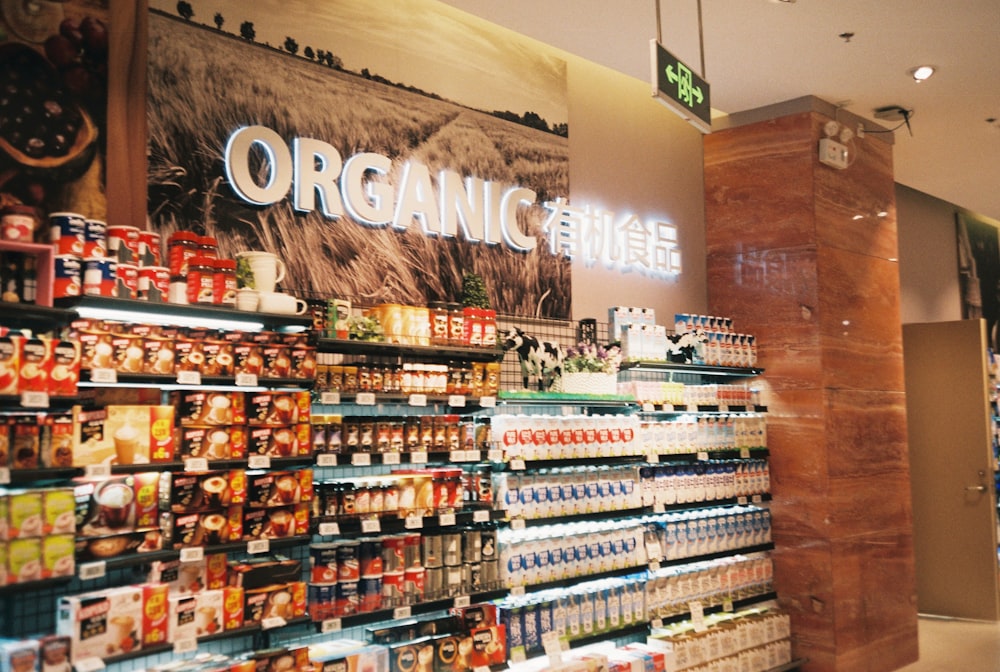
(278, 488)
(276, 523)
(291, 441)
(189, 492)
(213, 442)
(10, 363)
(36, 365)
(116, 504)
(155, 612)
(205, 528)
(277, 409)
(199, 408)
(232, 602)
(65, 369)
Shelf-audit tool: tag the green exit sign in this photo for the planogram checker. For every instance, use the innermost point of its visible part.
(680, 88)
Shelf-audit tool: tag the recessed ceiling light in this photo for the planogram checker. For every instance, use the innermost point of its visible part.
(787, 2)
(922, 73)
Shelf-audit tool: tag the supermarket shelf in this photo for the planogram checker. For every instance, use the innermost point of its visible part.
(425, 607)
(356, 527)
(736, 606)
(759, 548)
(26, 586)
(434, 353)
(27, 315)
(177, 312)
(699, 369)
(275, 462)
(675, 409)
(170, 381)
(142, 558)
(632, 513)
(334, 460)
(528, 465)
(529, 398)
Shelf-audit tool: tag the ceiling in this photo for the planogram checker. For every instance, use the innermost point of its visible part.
(761, 52)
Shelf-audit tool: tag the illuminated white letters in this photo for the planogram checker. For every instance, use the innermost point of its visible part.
(317, 168)
(238, 165)
(451, 206)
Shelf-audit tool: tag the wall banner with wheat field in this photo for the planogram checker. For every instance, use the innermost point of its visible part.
(415, 81)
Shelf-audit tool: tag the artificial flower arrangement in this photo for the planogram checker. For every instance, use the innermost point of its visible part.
(592, 358)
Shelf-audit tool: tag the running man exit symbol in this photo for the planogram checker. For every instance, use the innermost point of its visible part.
(680, 88)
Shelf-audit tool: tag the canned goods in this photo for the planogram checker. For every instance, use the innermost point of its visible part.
(67, 278)
(433, 550)
(489, 573)
(200, 280)
(149, 249)
(128, 280)
(321, 598)
(472, 577)
(348, 567)
(100, 277)
(392, 588)
(370, 592)
(411, 551)
(413, 584)
(451, 581)
(472, 546)
(95, 238)
(452, 549)
(18, 223)
(123, 244)
(346, 600)
(154, 283)
(183, 245)
(323, 563)
(370, 557)
(393, 554)
(66, 231)
(433, 582)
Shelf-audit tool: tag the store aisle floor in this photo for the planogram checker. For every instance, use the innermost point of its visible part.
(957, 646)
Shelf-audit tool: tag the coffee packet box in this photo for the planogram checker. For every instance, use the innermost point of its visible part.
(276, 523)
(102, 623)
(203, 528)
(202, 408)
(127, 434)
(209, 612)
(55, 653)
(278, 409)
(181, 617)
(185, 578)
(291, 441)
(278, 488)
(19, 656)
(213, 442)
(116, 504)
(155, 613)
(189, 492)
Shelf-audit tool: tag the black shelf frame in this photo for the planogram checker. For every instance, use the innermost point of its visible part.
(29, 315)
(149, 557)
(428, 353)
(696, 369)
(425, 607)
(351, 528)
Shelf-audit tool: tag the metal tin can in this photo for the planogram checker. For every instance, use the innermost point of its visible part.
(68, 277)
(392, 588)
(66, 233)
(346, 601)
(95, 238)
(348, 564)
(149, 249)
(370, 592)
(100, 275)
(128, 280)
(370, 557)
(123, 244)
(154, 283)
(433, 549)
(413, 584)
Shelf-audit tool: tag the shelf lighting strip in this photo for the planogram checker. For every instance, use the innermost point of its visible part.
(170, 318)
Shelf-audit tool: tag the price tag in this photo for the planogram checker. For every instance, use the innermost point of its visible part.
(329, 398)
(272, 623)
(258, 546)
(4, 475)
(326, 460)
(702, 456)
(184, 646)
(756, 499)
(457, 401)
(196, 464)
(97, 470)
(659, 507)
(668, 408)
(494, 455)
(654, 566)
(330, 625)
(456, 456)
(518, 656)
(473, 455)
(365, 399)
(89, 571)
(371, 526)
(488, 402)
(723, 408)
(89, 664)
(361, 459)
(329, 529)
(657, 623)
(517, 524)
(446, 519)
(552, 643)
(653, 458)
(259, 462)
(727, 605)
(648, 407)
(402, 612)
(35, 399)
(742, 500)
(653, 552)
(418, 400)
(390, 458)
(189, 377)
(517, 465)
(246, 380)
(481, 516)
(745, 453)
(697, 616)
(481, 668)
(517, 591)
(419, 457)
(193, 554)
(105, 376)
(413, 522)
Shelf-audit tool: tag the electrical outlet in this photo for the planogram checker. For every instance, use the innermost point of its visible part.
(832, 153)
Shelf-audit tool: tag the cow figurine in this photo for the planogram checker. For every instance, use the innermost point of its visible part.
(543, 359)
(687, 348)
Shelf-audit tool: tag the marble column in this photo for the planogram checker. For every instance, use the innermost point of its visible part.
(804, 256)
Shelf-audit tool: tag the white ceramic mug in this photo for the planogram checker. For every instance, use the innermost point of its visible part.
(281, 304)
(266, 268)
(247, 299)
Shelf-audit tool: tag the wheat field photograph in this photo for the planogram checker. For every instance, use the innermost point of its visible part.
(393, 78)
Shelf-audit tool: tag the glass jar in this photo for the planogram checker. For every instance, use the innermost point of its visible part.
(439, 317)
(181, 247)
(201, 280)
(456, 324)
(224, 282)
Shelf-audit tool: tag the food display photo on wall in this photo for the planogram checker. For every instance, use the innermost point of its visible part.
(382, 150)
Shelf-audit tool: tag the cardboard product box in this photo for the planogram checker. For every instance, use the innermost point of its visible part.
(65, 373)
(25, 442)
(489, 646)
(209, 613)
(181, 617)
(218, 358)
(213, 442)
(155, 613)
(116, 504)
(188, 492)
(290, 441)
(158, 355)
(352, 656)
(303, 362)
(25, 513)
(184, 578)
(203, 528)
(19, 656)
(278, 409)
(281, 659)
(102, 623)
(10, 363)
(24, 560)
(127, 352)
(275, 523)
(233, 600)
(58, 511)
(199, 408)
(56, 439)
(127, 434)
(247, 359)
(405, 656)
(475, 615)
(58, 555)
(55, 653)
(254, 574)
(36, 365)
(116, 545)
(6, 439)
(278, 488)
